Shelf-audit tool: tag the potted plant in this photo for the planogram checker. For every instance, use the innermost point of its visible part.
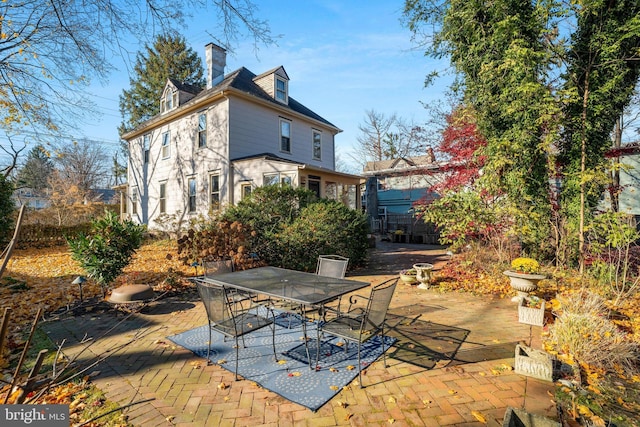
(531, 311)
(524, 276)
(408, 276)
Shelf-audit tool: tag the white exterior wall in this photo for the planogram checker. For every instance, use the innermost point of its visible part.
(185, 161)
(252, 172)
(255, 129)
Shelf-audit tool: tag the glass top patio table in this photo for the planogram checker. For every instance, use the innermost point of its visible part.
(291, 285)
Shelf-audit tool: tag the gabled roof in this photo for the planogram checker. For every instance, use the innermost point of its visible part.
(399, 163)
(241, 80)
(277, 70)
(185, 87)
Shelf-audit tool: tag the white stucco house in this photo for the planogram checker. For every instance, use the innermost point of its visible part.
(209, 147)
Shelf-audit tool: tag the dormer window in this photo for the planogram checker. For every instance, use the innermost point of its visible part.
(169, 101)
(281, 90)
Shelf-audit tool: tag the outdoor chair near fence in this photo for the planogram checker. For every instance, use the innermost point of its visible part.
(359, 324)
(227, 316)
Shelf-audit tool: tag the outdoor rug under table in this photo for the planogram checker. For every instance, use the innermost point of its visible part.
(290, 376)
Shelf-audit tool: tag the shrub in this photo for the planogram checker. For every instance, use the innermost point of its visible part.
(216, 240)
(281, 226)
(584, 331)
(107, 249)
(325, 227)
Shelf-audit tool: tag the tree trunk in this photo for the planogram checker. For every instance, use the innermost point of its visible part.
(583, 166)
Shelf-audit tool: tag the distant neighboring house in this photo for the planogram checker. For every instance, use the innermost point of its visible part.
(31, 198)
(392, 187)
(629, 198)
(211, 147)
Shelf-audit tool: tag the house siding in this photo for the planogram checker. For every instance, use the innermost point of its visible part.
(253, 126)
(185, 161)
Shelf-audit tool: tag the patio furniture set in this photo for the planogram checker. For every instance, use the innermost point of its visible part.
(241, 302)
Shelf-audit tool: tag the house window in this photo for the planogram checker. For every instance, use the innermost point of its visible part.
(202, 130)
(245, 190)
(271, 179)
(214, 198)
(277, 179)
(285, 136)
(145, 147)
(281, 90)
(192, 194)
(317, 145)
(163, 197)
(166, 145)
(169, 101)
(134, 201)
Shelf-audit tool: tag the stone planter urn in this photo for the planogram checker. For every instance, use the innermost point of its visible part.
(423, 274)
(523, 283)
(409, 276)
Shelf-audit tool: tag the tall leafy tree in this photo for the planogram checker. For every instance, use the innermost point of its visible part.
(527, 84)
(603, 69)
(168, 57)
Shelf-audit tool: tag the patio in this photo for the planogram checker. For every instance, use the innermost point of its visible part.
(445, 367)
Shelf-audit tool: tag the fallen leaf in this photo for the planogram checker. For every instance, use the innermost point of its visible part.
(392, 399)
(222, 386)
(478, 416)
(334, 387)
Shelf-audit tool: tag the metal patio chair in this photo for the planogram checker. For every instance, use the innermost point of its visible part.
(327, 265)
(332, 266)
(226, 316)
(360, 324)
(213, 268)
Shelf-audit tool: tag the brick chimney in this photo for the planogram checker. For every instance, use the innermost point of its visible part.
(216, 61)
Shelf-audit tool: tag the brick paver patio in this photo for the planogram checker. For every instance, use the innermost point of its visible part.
(452, 362)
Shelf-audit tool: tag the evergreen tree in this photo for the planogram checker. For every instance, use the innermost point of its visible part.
(168, 57)
(36, 170)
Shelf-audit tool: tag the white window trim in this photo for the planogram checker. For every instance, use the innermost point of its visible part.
(315, 132)
(204, 130)
(162, 199)
(280, 123)
(134, 201)
(211, 192)
(166, 149)
(243, 188)
(194, 195)
(285, 99)
(146, 143)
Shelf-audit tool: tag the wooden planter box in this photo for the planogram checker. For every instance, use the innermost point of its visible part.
(534, 363)
(529, 315)
(519, 418)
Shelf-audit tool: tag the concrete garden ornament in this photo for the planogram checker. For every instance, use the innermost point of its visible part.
(524, 276)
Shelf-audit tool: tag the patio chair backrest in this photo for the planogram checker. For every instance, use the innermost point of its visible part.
(332, 266)
(215, 302)
(211, 268)
(378, 304)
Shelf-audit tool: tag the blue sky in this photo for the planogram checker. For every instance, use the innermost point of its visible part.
(342, 58)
